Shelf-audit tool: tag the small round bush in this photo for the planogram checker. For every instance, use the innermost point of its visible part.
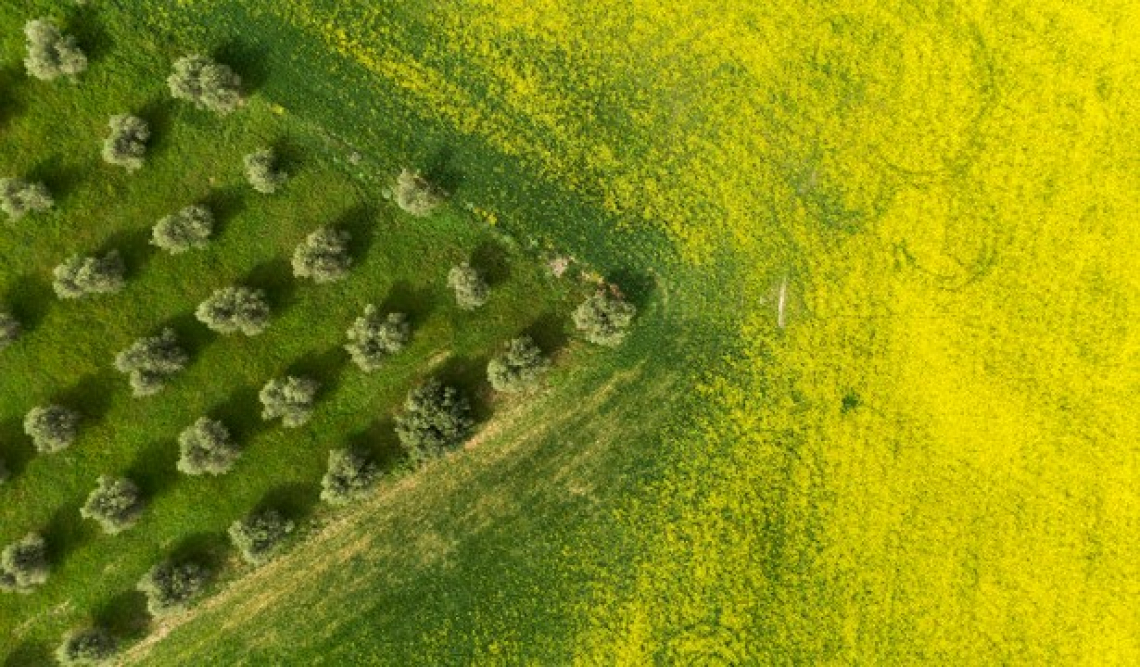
(349, 476)
(471, 290)
(518, 368)
(604, 319)
(83, 276)
(10, 329)
(262, 171)
(115, 504)
(52, 428)
(185, 230)
(24, 564)
(374, 337)
(150, 362)
(258, 535)
(207, 84)
(235, 310)
(323, 256)
(19, 197)
(206, 447)
(51, 54)
(290, 398)
(88, 647)
(171, 586)
(417, 195)
(436, 419)
(126, 145)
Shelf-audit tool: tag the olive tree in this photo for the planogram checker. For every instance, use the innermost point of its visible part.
(150, 362)
(10, 329)
(604, 318)
(436, 419)
(81, 276)
(471, 290)
(258, 535)
(19, 197)
(206, 447)
(86, 647)
(172, 585)
(323, 256)
(52, 428)
(126, 145)
(115, 504)
(207, 84)
(289, 398)
(52, 54)
(235, 309)
(373, 337)
(187, 229)
(263, 172)
(417, 195)
(519, 367)
(24, 564)
(349, 476)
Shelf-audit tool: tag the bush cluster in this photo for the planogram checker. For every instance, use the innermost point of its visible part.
(171, 586)
(24, 564)
(417, 195)
(207, 84)
(150, 362)
(235, 309)
(87, 647)
(19, 197)
(258, 535)
(126, 145)
(187, 229)
(206, 447)
(471, 290)
(115, 504)
(290, 398)
(519, 367)
(51, 54)
(349, 476)
(604, 319)
(262, 171)
(81, 276)
(323, 256)
(436, 419)
(10, 329)
(373, 337)
(52, 428)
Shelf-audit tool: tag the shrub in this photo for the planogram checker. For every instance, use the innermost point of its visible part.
(262, 171)
(436, 418)
(471, 290)
(19, 197)
(24, 564)
(150, 362)
(170, 586)
(350, 475)
(126, 144)
(82, 276)
(206, 447)
(417, 195)
(290, 398)
(604, 319)
(10, 329)
(235, 309)
(51, 54)
(323, 256)
(258, 535)
(519, 368)
(189, 228)
(115, 504)
(207, 84)
(88, 647)
(373, 337)
(52, 428)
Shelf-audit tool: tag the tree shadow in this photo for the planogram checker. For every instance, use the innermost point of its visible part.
(275, 278)
(155, 468)
(11, 104)
(469, 376)
(125, 616)
(406, 298)
(360, 222)
(91, 396)
(225, 203)
(636, 286)
(15, 449)
(159, 117)
(325, 367)
(549, 332)
(492, 260)
(60, 177)
(206, 549)
(66, 531)
(440, 170)
(241, 413)
(29, 299)
(133, 246)
(291, 157)
(248, 60)
(380, 444)
(193, 336)
(31, 654)
(294, 501)
(83, 22)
